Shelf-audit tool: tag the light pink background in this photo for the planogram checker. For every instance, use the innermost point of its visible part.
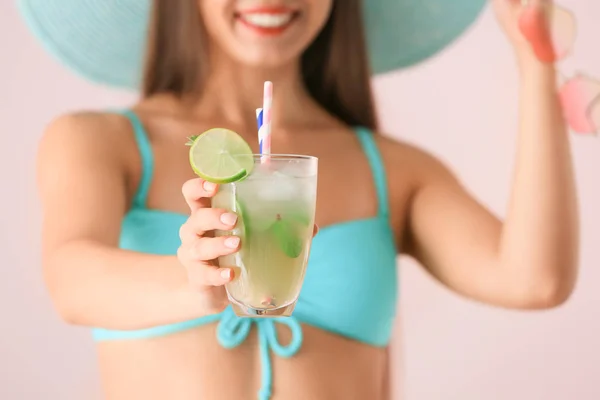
(461, 106)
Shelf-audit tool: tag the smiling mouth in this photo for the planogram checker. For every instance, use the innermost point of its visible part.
(267, 21)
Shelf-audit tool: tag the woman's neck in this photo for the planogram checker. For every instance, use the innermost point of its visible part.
(232, 92)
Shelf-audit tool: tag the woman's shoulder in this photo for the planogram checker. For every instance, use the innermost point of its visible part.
(87, 123)
(100, 136)
(411, 161)
(102, 128)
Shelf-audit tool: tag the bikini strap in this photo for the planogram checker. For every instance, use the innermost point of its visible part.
(367, 141)
(145, 149)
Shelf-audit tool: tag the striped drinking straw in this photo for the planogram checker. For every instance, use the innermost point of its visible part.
(263, 118)
(259, 122)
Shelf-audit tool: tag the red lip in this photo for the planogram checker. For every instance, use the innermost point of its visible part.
(267, 10)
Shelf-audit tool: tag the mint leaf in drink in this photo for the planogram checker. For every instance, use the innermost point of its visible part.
(286, 234)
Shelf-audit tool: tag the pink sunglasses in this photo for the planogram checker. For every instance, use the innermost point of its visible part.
(551, 30)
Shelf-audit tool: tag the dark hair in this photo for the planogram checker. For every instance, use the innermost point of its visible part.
(335, 67)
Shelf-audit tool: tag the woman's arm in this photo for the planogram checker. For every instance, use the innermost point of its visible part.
(530, 260)
(82, 184)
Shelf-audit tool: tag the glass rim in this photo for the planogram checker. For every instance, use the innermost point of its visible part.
(285, 157)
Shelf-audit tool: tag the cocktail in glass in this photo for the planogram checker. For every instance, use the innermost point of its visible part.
(275, 205)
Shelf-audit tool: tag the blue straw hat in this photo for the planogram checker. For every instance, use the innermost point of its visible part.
(103, 40)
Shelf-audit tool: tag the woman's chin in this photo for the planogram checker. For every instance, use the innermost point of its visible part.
(268, 50)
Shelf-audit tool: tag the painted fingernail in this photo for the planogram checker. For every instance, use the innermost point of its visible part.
(226, 274)
(232, 242)
(209, 186)
(228, 218)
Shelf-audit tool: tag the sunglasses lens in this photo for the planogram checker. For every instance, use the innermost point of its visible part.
(580, 98)
(562, 29)
(550, 29)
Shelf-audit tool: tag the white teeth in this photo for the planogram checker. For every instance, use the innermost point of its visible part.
(267, 20)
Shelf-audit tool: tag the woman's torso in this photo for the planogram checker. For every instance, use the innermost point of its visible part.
(190, 364)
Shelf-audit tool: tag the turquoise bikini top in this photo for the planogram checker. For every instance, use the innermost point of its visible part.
(350, 287)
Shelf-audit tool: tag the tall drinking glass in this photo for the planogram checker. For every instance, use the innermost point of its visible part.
(275, 205)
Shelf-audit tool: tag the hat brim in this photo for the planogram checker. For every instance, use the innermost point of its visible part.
(103, 40)
(403, 33)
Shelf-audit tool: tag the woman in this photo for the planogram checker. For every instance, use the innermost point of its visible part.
(126, 254)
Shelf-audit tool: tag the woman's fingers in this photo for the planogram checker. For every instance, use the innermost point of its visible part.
(206, 219)
(201, 275)
(196, 251)
(206, 248)
(196, 193)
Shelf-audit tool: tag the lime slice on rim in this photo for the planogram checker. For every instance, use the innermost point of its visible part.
(220, 156)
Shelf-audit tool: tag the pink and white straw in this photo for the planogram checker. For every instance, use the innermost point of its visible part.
(264, 122)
